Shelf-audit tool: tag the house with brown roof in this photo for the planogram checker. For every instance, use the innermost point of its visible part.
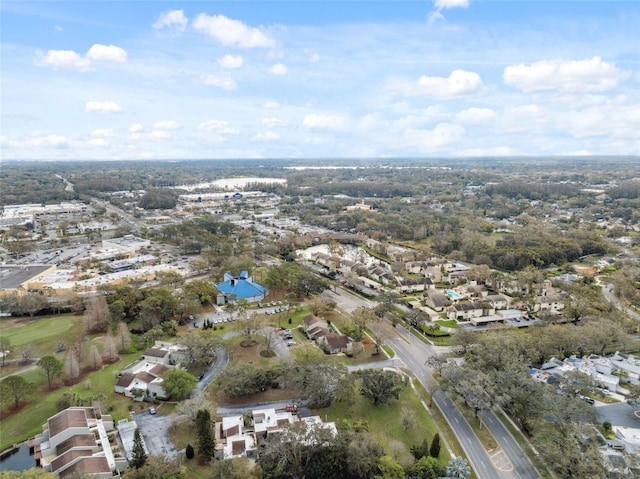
(241, 435)
(334, 343)
(468, 311)
(78, 441)
(552, 303)
(313, 325)
(437, 300)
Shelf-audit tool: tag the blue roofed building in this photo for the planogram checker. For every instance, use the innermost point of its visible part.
(242, 286)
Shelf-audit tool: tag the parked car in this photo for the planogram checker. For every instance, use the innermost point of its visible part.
(152, 410)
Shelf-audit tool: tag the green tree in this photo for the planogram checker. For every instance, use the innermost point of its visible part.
(138, 453)
(177, 383)
(189, 452)
(434, 450)
(206, 442)
(389, 468)
(380, 386)
(427, 468)
(51, 368)
(418, 451)
(15, 388)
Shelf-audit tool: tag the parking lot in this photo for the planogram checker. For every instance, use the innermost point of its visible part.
(155, 432)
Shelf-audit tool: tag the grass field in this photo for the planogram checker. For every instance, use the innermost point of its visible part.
(385, 423)
(43, 333)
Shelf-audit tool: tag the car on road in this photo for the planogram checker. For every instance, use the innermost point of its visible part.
(200, 376)
(152, 410)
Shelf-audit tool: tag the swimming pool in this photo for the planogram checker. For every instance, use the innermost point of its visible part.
(452, 294)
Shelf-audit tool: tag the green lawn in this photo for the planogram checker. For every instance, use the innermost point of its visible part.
(385, 422)
(450, 323)
(43, 333)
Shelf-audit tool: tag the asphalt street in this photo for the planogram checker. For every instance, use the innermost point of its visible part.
(347, 301)
(508, 461)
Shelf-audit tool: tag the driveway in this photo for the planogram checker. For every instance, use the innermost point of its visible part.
(155, 432)
(618, 414)
(222, 358)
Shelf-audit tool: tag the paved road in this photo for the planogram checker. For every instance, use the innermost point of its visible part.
(507, 462)
(607, 292)
(222, 358)
(347, 301)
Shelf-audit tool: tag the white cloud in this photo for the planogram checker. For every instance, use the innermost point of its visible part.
(102, 107)
(278, 69)
(70, 60)
(440, 5)
(67, 59)
(443, 135)
(166, 125)
(151, 136)
(103, 133)
(571, 75)
(271, 105)
(274, 122)
(226, 83)
(97, 143)
(314, 58)
(48, 141)
(323, 122)
(459, 84)
(136, 128)
(174, 20)
(57, 28)
(265, 137)
(106, 53)
(231, 32)
(231, 61)
(219, 126)
(476, 116)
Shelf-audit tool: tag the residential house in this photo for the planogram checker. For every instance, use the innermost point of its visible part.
(379, 274)
(552, 303)
(76, 442)
(468, 311)
(241, 435)
(312, 326)
(409, 285)
(437, 300)
(497, 301)
(334, 343)
(630, 365)
(142, 380)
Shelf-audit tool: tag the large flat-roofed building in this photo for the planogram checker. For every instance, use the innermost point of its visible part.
(126, 244)
(16, 278)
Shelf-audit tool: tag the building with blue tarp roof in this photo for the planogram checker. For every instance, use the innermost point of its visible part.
(241, 286)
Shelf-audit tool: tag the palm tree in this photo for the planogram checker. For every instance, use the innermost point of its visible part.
(458, 469)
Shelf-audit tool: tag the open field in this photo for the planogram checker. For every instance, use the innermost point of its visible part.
(385, 422)
(42, 332)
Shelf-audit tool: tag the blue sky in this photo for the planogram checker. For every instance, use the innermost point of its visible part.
(303, 79)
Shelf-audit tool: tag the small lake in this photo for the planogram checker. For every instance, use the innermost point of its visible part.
(20, 460)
